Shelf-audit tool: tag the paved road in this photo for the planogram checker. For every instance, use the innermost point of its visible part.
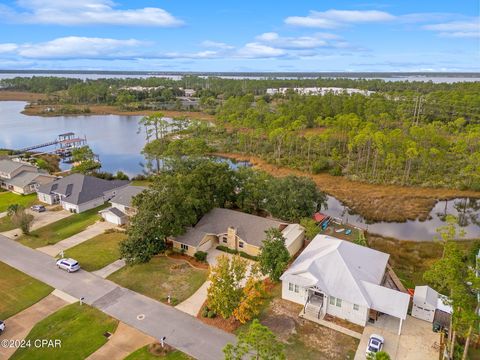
(182, 331)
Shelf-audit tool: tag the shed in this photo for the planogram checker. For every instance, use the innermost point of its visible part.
(425, 302)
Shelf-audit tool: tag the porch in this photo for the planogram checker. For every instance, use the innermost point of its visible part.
(315, 305)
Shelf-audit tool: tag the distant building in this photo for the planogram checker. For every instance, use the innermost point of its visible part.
(122, 208)
(21, 177)
(319, 91)
(77, 192)
(189, 92)
(237, 231)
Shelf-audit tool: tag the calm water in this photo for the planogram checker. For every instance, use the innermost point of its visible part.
(467, 211)
(115, 139)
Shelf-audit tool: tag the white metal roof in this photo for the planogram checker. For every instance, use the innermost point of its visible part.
(388, 301)
(425, 295)
(340, 268)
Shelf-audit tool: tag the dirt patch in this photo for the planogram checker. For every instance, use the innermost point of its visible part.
(192, 261)
(373, 202)
(6, 95)
(344, 323)
(229, 325)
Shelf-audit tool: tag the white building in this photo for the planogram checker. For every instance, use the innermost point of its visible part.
(122, 205)
(426, 301)
(340, 278)
(319, 91)
(77, 192)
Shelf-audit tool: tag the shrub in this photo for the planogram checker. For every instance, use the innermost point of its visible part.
(235, 252)
(320, 165)
(200, 255)
(211, 314)
(336, 171)
(205, 311)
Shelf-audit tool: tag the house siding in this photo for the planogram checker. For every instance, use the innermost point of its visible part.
(299, 298)
(178, 246)
(347, 312)
(45, 198)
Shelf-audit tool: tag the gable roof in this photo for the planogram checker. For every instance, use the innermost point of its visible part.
(339, 268)
(26, 178)
(78, 188)
(250, 228)
(124, 196)
(425, 295)
(7, 166)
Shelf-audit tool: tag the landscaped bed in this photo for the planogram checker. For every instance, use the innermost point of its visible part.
(80, 328)
(7, 198)
(97, 252)
(18, 291)
(148, 353)
(160, 277)
(61, 229)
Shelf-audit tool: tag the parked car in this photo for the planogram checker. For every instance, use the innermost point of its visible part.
(68, 264)
(38, 208)
(375, 344)
(2, 326)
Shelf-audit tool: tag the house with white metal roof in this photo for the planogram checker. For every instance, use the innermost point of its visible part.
(343, 279)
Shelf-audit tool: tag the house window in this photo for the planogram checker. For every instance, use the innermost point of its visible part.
(296, 289)
(224, 239)
(339, 302)
(184, 247)
(290, 287)
(356, 307)
(332, 300)
(240, 244)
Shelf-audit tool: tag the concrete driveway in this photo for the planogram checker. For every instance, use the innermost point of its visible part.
(124, 341)
(415, 343)
(182, 331)
(90, 232)
(39, 220)
(18, 326)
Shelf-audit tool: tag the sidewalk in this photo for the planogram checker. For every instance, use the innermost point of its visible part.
(90, 232)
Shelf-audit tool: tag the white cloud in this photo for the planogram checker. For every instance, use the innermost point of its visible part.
(215, 44)
(301, 42)
(84, 12)
(258, 50)
(72, 47)
(457, 29)
(7, 48)
(336, 18)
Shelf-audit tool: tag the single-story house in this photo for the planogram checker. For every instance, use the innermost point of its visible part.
(78, 192)
(121, 208)
(426, 301)
(237, 231)
(22, 178)
(343, 279)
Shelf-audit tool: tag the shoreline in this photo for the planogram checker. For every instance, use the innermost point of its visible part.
(375, 202)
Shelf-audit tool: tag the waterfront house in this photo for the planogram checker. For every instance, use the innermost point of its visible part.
(122, 208)
(237, 231)
(78, 192)
(342, 279)
(22, 177)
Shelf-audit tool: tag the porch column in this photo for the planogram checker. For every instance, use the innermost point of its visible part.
(400, 327)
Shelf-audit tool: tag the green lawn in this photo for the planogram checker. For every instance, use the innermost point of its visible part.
(61, 229)
(80, 329)
(7, 198)
(97, 252)
(18, 291)
(161, 277)
(6, 224)
(144, 354)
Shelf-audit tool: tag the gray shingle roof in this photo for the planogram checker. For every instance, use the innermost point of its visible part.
(7, 166)
(79, 189)
(124, 196)
(250, 228)
(114, 211)
(24, 178)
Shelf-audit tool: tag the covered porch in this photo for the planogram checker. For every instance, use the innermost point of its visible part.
(315, 304)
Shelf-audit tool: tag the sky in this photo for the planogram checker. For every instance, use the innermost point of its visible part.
(261, 35)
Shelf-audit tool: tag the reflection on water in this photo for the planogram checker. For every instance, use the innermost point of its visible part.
(466, 209)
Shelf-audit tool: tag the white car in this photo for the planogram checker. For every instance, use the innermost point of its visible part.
(68, 264)
(2, 326)
(375, 344)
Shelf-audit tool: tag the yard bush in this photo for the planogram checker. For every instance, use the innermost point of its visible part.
(211, 314)
(235, 252)
(200, 255)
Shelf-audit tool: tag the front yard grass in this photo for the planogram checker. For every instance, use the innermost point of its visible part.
(145, 354)
(80, 328)
(18, 291)
(97, 252)
(6, 224)
(7, 198)
(160, 277)
(61, 229)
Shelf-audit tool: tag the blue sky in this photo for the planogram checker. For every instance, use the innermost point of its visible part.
(261, 35)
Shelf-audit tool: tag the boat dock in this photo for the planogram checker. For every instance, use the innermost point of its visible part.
(64, 144)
